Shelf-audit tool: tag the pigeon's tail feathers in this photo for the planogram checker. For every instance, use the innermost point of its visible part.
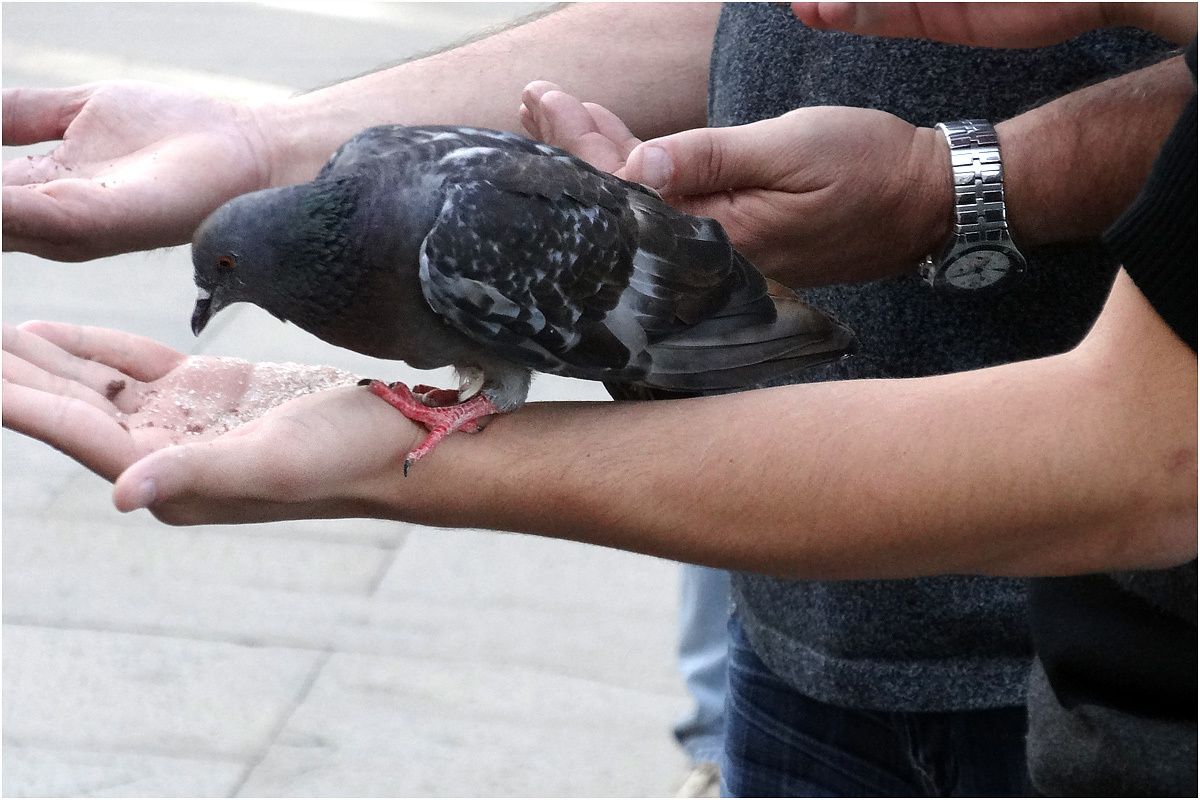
(737, 349)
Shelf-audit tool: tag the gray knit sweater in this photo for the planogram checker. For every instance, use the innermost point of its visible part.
(943, 643)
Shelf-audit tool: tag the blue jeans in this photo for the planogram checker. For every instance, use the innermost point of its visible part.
(703, 654)
(780, 743)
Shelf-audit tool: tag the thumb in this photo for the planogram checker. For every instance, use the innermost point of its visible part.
(176, 482)
(699, 161)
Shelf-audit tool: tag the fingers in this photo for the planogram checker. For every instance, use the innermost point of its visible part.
(136, 356)
(612, 128)
(559, 119)
(77, 219)
(977, 24)
(77, 428)
(29, 210)
(586, 130)
(531, 96)
(568, 125)
(830, 16)
(41, 115)
(60, 220)
(100, 379)
(19, 371)
(34, 170)
(947, 22)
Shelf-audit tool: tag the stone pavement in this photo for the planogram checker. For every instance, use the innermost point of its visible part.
(322, 658)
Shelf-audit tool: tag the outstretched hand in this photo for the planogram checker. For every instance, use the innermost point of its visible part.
(140, 166)
(816, 196)
(202, 439)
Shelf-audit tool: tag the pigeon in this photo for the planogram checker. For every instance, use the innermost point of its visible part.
(500, 256)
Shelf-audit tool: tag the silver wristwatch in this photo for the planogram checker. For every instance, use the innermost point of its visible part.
(980, 254)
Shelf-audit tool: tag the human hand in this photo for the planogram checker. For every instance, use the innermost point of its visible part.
(997, 24)
(140, 166)
(816, 196)
(202, 439)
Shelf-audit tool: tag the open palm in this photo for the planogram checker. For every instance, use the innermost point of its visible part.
(140, 166)
(272, 440)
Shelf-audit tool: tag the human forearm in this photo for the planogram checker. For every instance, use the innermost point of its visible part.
(650, 61)
(1072, 165)
(856, 480)
(1070, 464)
(1081, 462)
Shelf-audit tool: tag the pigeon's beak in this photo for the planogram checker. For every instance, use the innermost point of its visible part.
(203, 311)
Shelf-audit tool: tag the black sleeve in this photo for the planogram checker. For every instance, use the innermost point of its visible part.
(1155, 240)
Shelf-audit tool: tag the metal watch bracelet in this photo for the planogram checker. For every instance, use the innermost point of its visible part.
(978, 187)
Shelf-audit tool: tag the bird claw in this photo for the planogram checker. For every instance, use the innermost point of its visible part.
(439, 420)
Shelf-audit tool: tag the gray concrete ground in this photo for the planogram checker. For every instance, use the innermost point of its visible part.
(343, 658)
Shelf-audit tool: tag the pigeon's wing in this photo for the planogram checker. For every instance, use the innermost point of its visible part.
(531, 279)
(541, 260)
(564, 269)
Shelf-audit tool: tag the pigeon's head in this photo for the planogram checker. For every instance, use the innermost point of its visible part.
(281, 249)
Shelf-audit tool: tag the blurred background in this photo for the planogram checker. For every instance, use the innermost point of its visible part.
(322, 658)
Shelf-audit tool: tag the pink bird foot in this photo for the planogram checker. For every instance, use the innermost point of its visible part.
(437, 409)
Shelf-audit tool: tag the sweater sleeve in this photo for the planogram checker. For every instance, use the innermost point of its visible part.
(1155, 239)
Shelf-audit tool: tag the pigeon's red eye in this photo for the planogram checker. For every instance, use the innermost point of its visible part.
(226, 262)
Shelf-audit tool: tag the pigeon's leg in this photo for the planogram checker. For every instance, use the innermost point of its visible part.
(433, 397)
(440, 421)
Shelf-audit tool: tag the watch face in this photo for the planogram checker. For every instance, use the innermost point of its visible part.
(978, 269)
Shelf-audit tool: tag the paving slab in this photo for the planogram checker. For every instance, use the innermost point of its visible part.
(207, 583)
(569, 608)
(465, 730)
(47, 772)
(157, 695)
